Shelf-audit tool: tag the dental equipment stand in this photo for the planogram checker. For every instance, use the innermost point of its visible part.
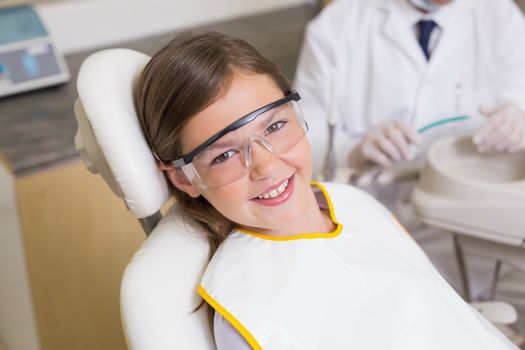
(478, 197)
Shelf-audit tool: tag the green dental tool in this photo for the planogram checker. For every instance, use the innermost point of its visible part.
(442, 121)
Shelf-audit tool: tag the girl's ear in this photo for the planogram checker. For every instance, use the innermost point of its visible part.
(179, 180)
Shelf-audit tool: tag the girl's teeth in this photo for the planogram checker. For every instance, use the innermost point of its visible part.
(276, 192)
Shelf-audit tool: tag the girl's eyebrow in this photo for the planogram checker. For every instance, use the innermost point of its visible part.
(221, 144)
(269, 118)
(266, 119)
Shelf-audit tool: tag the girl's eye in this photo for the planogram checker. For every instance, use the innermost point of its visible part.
(223, 157)
(274, 127)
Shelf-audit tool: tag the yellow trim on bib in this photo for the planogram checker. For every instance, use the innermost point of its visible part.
(398, 224)
(335, 233)
(230, 318)
(328, 199)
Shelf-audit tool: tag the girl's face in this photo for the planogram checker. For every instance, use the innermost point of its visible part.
(242, 201)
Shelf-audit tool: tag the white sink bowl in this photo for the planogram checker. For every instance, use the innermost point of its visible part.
(468, 192)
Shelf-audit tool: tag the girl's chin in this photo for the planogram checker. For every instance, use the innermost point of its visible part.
(283, 223)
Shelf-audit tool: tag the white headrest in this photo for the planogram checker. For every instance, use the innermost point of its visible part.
(105, 85)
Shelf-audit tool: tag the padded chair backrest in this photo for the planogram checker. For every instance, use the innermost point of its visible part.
(110, 139)
(158, 291)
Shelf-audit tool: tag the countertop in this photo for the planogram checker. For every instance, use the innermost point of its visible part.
(37, 128)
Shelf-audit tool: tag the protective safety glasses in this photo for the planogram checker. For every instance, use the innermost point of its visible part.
(227, 156)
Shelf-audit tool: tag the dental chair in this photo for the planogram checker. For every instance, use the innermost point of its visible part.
(158, 290)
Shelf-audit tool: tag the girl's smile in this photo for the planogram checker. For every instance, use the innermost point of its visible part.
(276, 194)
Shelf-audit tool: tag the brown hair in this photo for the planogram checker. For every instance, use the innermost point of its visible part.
(182, 79)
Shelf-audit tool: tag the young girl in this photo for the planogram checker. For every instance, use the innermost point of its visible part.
(300, 265)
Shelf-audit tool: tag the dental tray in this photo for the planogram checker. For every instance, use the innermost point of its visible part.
(464, 191)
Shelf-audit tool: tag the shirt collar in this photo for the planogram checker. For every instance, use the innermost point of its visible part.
(443, 16)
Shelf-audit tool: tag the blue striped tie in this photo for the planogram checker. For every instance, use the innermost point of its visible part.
(425, 29)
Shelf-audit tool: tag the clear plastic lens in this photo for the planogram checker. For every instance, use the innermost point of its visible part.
(226, 160)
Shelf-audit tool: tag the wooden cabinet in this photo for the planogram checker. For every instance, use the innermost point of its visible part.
(78, 238)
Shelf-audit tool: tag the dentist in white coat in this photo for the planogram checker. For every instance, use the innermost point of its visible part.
(378, 70)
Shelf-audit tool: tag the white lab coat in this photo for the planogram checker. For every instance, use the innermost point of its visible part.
(361, 64)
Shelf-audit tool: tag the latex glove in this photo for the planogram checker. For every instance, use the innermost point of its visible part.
(386, 144)
(385, 176)
(504, 131)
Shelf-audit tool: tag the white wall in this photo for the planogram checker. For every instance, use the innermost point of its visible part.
(85, 24)
(17, 321)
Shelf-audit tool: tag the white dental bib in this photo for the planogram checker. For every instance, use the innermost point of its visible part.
(367, 285)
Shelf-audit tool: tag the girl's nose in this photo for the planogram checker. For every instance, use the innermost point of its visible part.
(263, 162)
